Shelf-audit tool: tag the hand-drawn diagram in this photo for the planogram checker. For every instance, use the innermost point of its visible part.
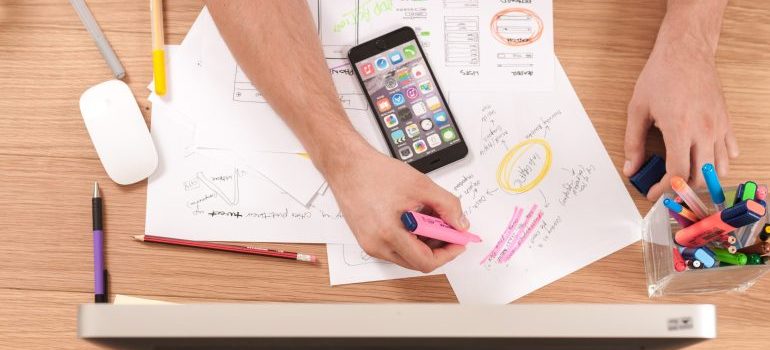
(461, 41)
(516, 27)
(524, 166)
(338, 31)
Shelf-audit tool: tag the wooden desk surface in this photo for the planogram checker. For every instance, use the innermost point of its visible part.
(47, 168)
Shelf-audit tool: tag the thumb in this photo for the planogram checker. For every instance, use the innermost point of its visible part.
(636, 134)
(446, 206)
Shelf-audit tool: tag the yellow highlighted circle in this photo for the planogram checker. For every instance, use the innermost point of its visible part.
(511, 158)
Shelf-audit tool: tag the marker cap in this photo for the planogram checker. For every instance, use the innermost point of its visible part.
(712, 182)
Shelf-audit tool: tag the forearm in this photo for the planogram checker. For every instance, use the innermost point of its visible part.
(276, 44)
(695, 23)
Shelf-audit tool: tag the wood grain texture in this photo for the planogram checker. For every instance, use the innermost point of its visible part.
(47, 166)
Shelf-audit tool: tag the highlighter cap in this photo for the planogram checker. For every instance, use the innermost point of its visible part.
(410, 223)
(743, 213)
(712, 182)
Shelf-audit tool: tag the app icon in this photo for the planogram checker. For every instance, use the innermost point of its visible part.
(383, 104)
(448, 134)
(405, 153)
(390, 83)
(433, 103)
(410, 52)
(398, 137)
(418, 71)
(426, 124)
(426, 87)
(395, 57)
(404, 115)
(367, 69)
(419, 146)
(412, 130)
(381, 63)
(390, 120)
(403, 75)
(440, 118)
(419, 108)
(398, 99)
(411, 93)
(434, 140)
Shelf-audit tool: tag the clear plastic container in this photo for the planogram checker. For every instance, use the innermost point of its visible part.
(657, 244)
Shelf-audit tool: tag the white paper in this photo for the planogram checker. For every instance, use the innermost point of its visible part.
(577, 212)
(348, 263)
(209, 194)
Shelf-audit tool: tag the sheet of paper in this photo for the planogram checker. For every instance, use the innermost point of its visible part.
(542, 193)
(538, 187)
(211, 194)
(181, 75)
(348, 263)
(121, 299)
(471, 44)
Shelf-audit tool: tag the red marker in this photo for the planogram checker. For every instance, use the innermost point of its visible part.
(679, 263)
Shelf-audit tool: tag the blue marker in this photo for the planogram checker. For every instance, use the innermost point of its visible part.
(715, 189)
(705, 256)
(679, 209)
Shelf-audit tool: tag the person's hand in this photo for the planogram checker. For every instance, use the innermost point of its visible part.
(373, 190)
(679, 92)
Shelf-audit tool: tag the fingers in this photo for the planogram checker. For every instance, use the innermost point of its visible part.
(636, 134)
(732, 143)
(420, 256)
(702, 153)
(445, 205)
(657, 190)
(721, 157)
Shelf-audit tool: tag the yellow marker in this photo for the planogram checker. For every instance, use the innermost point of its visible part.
(158, 54)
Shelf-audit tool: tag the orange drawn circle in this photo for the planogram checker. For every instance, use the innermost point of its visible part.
(495, 29)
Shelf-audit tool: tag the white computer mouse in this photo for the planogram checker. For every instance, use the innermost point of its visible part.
(118, 132)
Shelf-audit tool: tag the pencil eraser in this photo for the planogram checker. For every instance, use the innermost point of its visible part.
(651, 172)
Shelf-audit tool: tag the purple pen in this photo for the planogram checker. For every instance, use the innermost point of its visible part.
(100, 273)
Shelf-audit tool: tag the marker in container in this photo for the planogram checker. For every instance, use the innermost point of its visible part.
(679, 263)
(738, 194)
(715, 188)
(764, 234)
(754, 259)
(761, 248)
(749, 191)
(689, 197)
(428, 226)
(724, 256)
(694, 264)
(761, 196)
(679, 219)
(704, 255)
(679, 209)
(716, 226)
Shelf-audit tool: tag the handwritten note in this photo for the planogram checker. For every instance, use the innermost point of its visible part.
(555, 203)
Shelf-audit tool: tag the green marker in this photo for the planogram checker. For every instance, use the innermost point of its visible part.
(754, 259)
(749, 191)
(723, 255)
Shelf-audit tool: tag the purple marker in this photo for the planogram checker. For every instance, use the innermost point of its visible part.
(100, 273)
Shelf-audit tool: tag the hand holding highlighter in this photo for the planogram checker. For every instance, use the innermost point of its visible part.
(431, 227)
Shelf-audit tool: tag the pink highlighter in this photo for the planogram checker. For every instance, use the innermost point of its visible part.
(428, 226)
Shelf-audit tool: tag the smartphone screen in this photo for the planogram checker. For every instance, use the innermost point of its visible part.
(408, 103)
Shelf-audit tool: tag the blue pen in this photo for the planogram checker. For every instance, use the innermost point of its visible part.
(715, 189)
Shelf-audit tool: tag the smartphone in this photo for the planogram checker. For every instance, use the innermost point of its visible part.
(406, 100)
